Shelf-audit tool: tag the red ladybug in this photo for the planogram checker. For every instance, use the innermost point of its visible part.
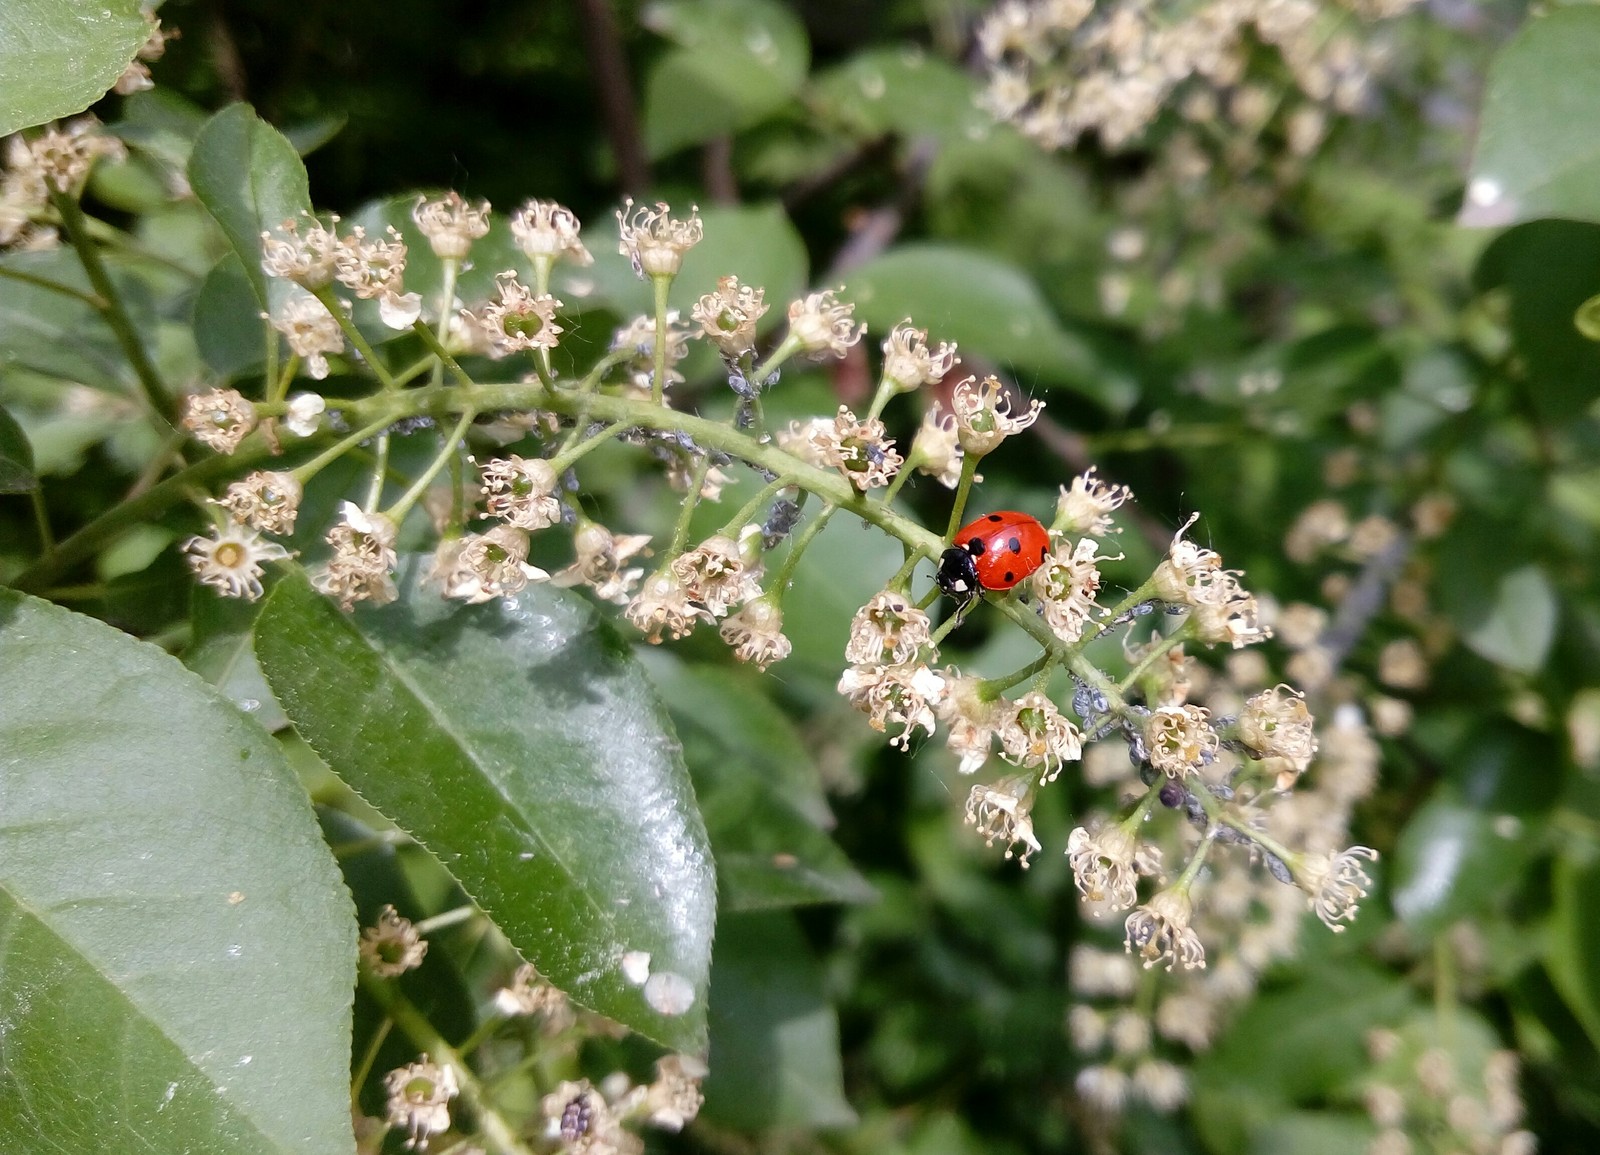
(993, 553)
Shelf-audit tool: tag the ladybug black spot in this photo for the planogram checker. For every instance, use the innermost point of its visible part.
(1015, 545)
(975, 547)
(995, 517)
(1010, 577)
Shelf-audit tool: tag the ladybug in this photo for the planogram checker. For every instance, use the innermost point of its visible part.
(993, 553)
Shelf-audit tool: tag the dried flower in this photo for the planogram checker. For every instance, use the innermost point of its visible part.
(971, 720)
(601, 556)
(936, 449)
(392, 946)
(908, 363)
(136, 77)
(1160, 930)
(860, 450)
(522, 491)
(1000, 813)
(653, 240)
(480, 567)
(888, 629)
(451, 224)
(579, 1117)
(518, 320)
(375, 270)
(728, 317)
(1066, 585)
(419, 1099)
(903, 695)
(1236, 621)
(230, 561)
(58, 158)
(311, 332)
(265, 501)
(221, 419)
(756, 633)
(663, 605)
(545, 230)
(1087, 507)
(529, 994)
(674, 1099)
(1037, 734)
(309, 260)
(983, 415)
(363, 559)
(1107, 862)
(1276, 724)
(1179, 740)
(1191, 575)
(822, 325)
(714, 574)
(1335, 883)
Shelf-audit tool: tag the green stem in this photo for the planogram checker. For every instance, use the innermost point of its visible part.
(397, 512)
(447, 300)
(432, 342)
(780, 583)
(306, 471)
(368, 1058)
(90, 299)
(330, 301)
(571, 453)
(748, 510)
(969, 470)
(898, 480)
(380, 473)
(41, 518)
(112, 308)
(1191, 870)
(691, 501)
(282, 381)
(787, 348)
(1157, 650)
(992, 687)
(499, 1134)
(658, 379)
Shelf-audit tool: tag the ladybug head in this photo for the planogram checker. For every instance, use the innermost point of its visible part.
(958, 574)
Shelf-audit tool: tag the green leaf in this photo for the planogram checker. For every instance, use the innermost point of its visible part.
(227, 320)
(1291, 1047)
(904, 90)
(521, 744)
(736, 62)
(178, 951)
(1452, 859)
(774, 1037)
(1538, 154)
(987, 306)
(250, 179)
(222, 651)
(59, 334)
(759, 790)
(1574, 940)
(1518, 624)
(57, 57)
(16, 457)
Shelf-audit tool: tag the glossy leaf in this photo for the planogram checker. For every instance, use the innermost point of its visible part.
(57, 57)
(222, 651)
(759, 790)
(1537, 153)
(227, 320)
(178, 951)
(1574, 941)
(904, 90)
(1520, 622)
(16, 457)
(250, 179)
(736, 62)
(774, 1037)
(1452, 859)
(60, 334)
(983, 304)
(521, 745)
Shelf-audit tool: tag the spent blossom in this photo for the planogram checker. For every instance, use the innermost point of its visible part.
(936, 449)
(983, 415)
(579, 1118)
(1335, 884)
(1034, 733)
(451, 224)
(1179, 740)
(662, 605)
(822, 326)
(59, 158)
(529, 994)
(901, 695)
(374, 270)
(1159, 931)
(654, 240)
(1066, 585)
(1276, 724)
(310, 331)
(728, 317)
(756, 635)
(220, 419)
(971, 720)
(1107, 861)
(1001, 813)
(392, 946)
(1192, 575)
(361, 568)
(522, 491)
(545, 230)
(265, 500)
(519, 320)
(1088, 505)
(859, 449)
(480, 567)
(419, 1099)
(601, 561)
(308, 258)
(230, 560)
(716, 575)
(908, 363)
(887, 629)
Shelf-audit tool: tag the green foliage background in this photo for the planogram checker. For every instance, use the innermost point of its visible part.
(902, 990)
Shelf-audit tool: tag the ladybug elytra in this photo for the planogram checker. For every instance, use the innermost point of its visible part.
(995, 552)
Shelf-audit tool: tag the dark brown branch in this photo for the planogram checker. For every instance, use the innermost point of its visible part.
(609, 65)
